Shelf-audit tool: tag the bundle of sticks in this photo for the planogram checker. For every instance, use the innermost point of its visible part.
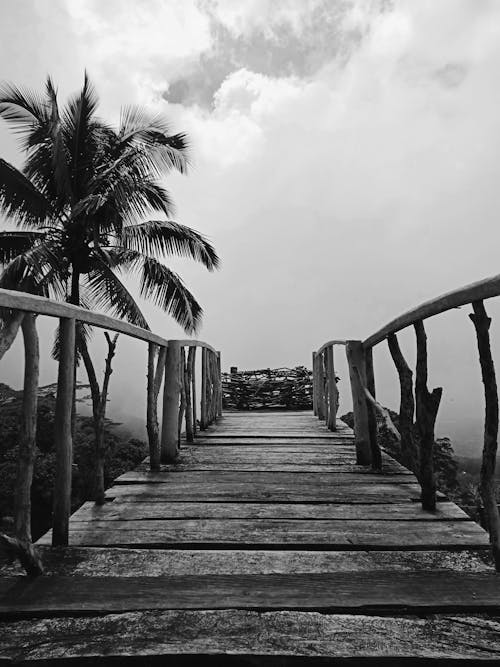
(278, 388)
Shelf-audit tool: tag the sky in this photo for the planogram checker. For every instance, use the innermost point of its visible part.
(345, 162)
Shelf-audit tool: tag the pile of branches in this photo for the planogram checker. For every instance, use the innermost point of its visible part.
(279, 388)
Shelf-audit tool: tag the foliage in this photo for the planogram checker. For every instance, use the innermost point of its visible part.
(122, 455)
(286, 388)
(80, 200)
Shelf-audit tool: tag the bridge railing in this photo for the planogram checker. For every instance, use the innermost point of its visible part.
(169, 361)
(417, 404)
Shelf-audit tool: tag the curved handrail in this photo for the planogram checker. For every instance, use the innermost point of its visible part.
(330, 343)
(43, 306)
(483, 289)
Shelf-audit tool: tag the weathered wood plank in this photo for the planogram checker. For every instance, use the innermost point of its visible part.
(384, 492)
(361, 592)
(259, 476)
(206, 510)
(250, 533)
(128, 562)
(228, 637)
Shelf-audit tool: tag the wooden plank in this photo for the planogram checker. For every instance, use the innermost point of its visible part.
(238, 637)
(274, 442)
(250, 533)
(381, 493)
(128, 562)
(361, 593)
(205, 510)
(260, 476)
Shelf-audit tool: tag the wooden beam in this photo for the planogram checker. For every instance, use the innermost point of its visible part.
(487, 484)
(62, 435)
(219, 381)
(427, 406)
(171, 396)
(315, 388)
(357, 376)
(483, 289)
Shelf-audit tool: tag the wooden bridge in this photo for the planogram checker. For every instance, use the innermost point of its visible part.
(264, 538)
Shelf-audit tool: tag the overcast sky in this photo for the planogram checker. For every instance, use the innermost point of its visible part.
(345, 163)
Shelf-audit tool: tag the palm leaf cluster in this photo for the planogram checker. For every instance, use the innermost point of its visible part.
(82, 204)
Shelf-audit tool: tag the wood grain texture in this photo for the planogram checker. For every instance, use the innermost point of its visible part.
(361, 592)
(239, 637)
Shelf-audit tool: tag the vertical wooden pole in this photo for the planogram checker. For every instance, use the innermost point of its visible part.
(406, 405)
(219, 380)
(171, 396)
(356, 360)
(151, 420)
(62, 436)
(332, 389)
(193, 380)
(487, 484)
(182, 406)
(320, 385)
(315, 389)
(427, 406)
(372, 417)
(188, 383)
(204, 381)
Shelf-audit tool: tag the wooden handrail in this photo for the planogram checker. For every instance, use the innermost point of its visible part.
(330, 344)
(478, 291)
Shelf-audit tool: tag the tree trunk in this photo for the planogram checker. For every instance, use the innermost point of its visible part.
(487, 484)
(21, 546)
(9, 331)
(406, 405)
(427, 406)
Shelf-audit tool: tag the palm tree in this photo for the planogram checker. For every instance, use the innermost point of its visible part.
(81, 204)
(77, 202)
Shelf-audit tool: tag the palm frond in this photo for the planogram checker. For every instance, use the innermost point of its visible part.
(60, 157)
(36, 270)
(19, 198)
(22, 108)
(110, 294)
(166, 289)
(165, 237)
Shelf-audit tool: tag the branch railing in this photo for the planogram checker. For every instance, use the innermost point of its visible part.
(171, 362)
(418, 405)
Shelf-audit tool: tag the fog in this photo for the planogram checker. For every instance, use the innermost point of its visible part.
(345, 166)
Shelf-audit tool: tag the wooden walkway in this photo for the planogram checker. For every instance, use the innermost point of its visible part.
(264, 540)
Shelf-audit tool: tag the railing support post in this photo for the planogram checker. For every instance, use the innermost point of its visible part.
(171, 396)
(219, 380)
(315, 385)
(332, 390)
(372, 417)
(357, 375)
(204, 381)
(62, 436)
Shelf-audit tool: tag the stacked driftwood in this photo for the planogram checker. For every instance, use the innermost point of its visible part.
(278, 388)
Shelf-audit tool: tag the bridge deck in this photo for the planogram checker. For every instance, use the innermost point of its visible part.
(266, 539)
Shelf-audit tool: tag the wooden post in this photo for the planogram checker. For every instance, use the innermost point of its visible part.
(332, 390)
(188, 369)
(372, 418)
(406, 405)
(427, 406)
(192, 358)
(62, 436)
(356, 360)
(219, 379)
(204, 381)
(315, 387)
(487, 484)
(182, 406)
(320, 386)
(171, 396)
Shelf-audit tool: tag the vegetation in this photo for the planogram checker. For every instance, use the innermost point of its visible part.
(459, 485)
(122, 453)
